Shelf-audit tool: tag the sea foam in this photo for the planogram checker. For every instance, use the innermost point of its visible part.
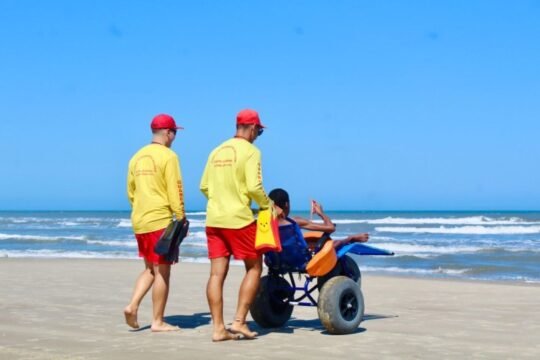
(470, 220)
(470, 230)
(39, 237)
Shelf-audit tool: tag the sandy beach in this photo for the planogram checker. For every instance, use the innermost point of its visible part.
(72, 309)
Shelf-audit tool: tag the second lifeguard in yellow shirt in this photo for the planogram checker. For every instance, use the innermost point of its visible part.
(231, 180)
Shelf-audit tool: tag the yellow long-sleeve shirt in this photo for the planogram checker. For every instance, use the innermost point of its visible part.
(154, 187)
(231, 179)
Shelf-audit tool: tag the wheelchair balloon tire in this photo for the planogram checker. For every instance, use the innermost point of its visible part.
(271, 307)
(346, 266)
(341, 305)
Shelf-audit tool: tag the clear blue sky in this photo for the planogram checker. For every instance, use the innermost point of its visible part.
(369, 104)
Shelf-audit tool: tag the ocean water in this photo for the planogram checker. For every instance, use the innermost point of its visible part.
(501, 246)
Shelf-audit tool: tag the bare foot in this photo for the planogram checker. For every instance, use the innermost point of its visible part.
(224, 335)
(164, 327)
(239, 327)
(131, 317)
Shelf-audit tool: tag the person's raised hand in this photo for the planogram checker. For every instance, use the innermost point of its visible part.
(317, 208)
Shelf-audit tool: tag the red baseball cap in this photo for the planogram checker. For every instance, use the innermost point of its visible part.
(164, 121)
(248, 117)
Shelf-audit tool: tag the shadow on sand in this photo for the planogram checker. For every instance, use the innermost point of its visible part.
(184, 321)
(314, 325)
(204, 318)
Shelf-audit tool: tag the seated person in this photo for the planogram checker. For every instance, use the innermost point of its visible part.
(281, 199)
(295, 251)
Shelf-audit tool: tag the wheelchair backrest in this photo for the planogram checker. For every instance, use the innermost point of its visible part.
(294, 254)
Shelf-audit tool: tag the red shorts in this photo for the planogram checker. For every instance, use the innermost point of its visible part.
(238, 242)
(147, 242)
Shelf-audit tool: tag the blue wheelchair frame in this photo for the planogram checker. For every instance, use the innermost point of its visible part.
(340, 302)
(306, 290)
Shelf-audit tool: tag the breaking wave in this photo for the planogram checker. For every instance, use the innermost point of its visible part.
(469, 230)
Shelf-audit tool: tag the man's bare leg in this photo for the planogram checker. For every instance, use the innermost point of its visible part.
(248, 290)
(160, 293)
(219, 268)
(142, 285)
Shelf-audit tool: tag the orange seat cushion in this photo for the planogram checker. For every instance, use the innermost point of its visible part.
(323, 261)
(312, 237)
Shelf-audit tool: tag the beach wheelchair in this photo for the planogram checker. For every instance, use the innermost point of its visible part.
(326, 267)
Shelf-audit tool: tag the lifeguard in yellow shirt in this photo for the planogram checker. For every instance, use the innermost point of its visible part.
(155, 192)
(231, 180)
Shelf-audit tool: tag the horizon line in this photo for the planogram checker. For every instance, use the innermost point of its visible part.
(300, 210)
